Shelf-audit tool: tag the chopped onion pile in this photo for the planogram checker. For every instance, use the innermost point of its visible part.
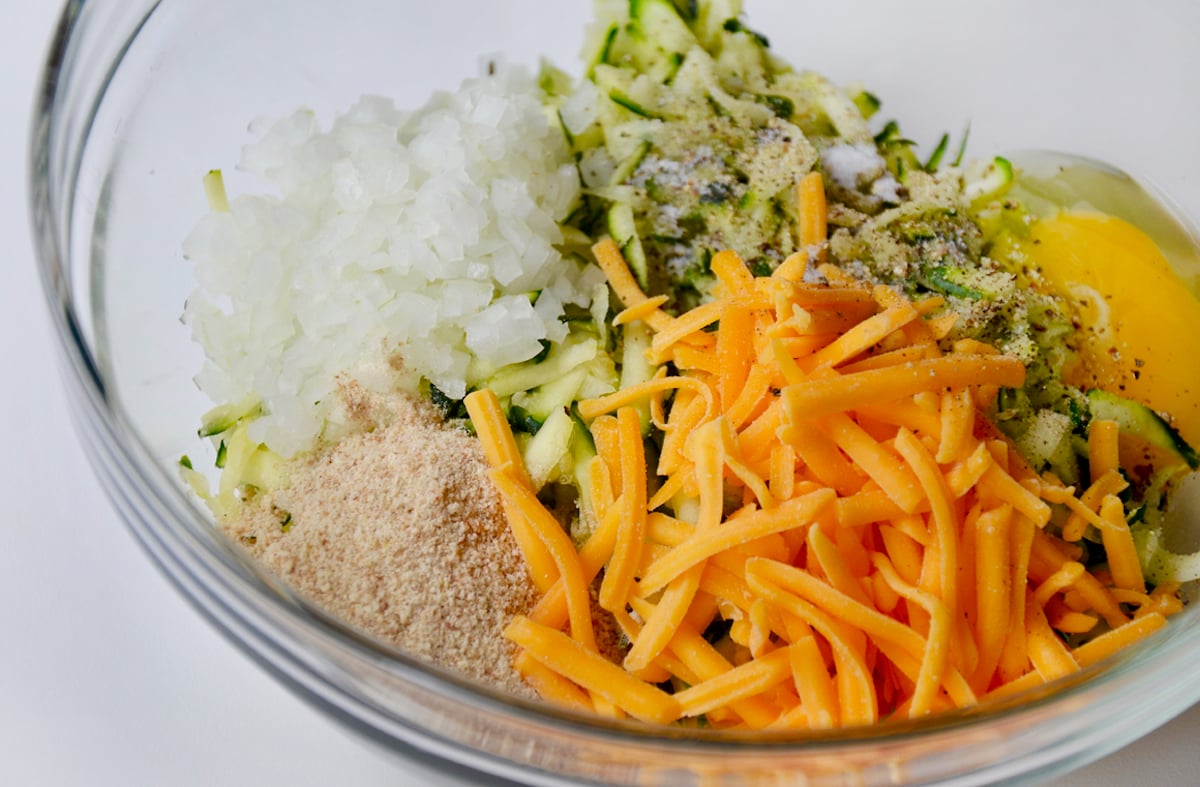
(428, 233)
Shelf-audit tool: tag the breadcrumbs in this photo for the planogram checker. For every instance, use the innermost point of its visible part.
(398, 531)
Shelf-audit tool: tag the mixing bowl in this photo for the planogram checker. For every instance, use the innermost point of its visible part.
(141, 98)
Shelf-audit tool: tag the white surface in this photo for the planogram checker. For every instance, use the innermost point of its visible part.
(106, 676)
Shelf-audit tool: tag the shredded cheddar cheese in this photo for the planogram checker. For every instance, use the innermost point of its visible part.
(827, 483)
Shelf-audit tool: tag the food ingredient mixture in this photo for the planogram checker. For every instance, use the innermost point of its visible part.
(789, 427)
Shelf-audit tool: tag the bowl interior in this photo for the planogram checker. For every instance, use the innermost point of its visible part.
(197, 75)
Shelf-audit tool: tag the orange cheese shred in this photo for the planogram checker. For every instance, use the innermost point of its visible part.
(810, 202)
(619, 576)
(592, 671)
(847, 392)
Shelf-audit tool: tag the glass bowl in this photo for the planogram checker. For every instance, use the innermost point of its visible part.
(140, 98)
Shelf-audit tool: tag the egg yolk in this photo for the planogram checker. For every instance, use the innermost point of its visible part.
(1140, 324)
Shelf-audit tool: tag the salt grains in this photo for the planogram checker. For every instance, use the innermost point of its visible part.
(417, 233)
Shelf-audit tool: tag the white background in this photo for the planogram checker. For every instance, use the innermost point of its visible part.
(106, 676)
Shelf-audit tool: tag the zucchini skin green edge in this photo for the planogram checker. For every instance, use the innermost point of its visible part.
(1142, 421)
